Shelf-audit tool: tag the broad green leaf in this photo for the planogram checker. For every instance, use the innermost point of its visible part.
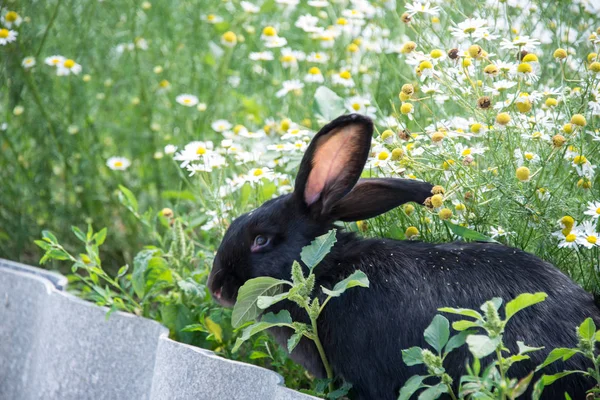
(270, 320)
(412, 356)
(522, 301)
(468, 234)
(42, 244)
(481, 345)
(49, 236)
(464, 324)
(140, 264)
(437, 333)
(293, 341)
(266, 190)
(521, 387)
(100, 236)
(128, 198)
(246, 307)
(550, 379)
(80, 235)
(587, 329)
(214, 328)
(558, 354)
(122, 271)
(410, 387)
(340, 392)
(327, 105)
(265, 302)
(523, 348)
(255, 355)
(433, 392)
(461, 311)
(314, 253)
(191, 288)
(457, 340)
(357, 278)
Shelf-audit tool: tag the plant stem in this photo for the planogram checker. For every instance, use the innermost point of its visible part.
(317, 341)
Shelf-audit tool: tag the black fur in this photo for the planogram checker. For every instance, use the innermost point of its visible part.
(364, 330)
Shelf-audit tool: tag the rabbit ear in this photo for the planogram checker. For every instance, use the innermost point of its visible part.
(334, 161)
(372, 197)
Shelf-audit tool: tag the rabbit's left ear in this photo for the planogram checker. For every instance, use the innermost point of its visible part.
(333, 162)
(374, 196)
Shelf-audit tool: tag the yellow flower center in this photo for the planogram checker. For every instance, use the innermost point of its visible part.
(11, 16)
(356, 106)
(345, 75)
(69, 63)
(288, 58)
(469, 30)
(210, 17)
(269, 31)
(580, 160)
(314, 71)
(466, 152)
(342, 21)
(525, 68)
(570, 237)
(258, 172)
(201, 150)
(118, 164)
(229, 37)
(529, 156)
(425, 65)
(383, 155)
(3, 33)
(598, 210)
(592, 239)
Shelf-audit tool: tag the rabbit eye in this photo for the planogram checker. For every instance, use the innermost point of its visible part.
(260, 242)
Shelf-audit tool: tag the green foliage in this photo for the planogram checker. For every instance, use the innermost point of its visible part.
(261, 293)
(490, 383)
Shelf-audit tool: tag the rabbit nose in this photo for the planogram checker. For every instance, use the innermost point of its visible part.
(217, 293)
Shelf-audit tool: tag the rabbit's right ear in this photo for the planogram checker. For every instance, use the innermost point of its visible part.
(333, 162)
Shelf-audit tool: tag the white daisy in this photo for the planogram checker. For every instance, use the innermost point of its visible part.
(188, 100)
(118, 163)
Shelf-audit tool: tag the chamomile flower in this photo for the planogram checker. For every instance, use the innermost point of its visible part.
(193, 152)
(520, 42)
(593, 209)
(28, 62)
(11, 18)
(188, 100)
(314, 76)
(118, 163)
(308, 23)
(361, 105)
(499, 232)
(68, 67)
(471, 28)
(318, 57)
(250, 8)
(587, 235)
(212, 19)
(422, 8)
(258, 174)
(261, 56)
(7, 36)
(221, 125)
(289, 86)
(343, 78)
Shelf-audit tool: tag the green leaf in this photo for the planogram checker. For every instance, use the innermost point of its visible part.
(177, 195)
(357, 278)
(80, 235)
(557, 354)
(293, 341)
(314, 253)
(128, 198)
(521, 387)
(412, 356)
(140, 264)
(462, 311)
(481, 345)
(522, 301)
(265, 302)
(270, 320)
(49, 236)
(122, 271)
(100, 237)
(194, 328)
(327, 104)
(496, 301)
(433, 392)
(550, 379)
(413, 384)
(464, 324)
(468, 234)
(457, 340)
(246, 307)
(437, 333)
(255, 355)
(42, 244)
(523, 348)
(587, 330)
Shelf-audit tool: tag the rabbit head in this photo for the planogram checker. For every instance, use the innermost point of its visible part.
(328, 188)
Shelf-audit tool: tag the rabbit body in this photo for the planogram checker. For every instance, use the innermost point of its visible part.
(364, 330)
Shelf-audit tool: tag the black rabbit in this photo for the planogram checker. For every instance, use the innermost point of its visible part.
(364, 330)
